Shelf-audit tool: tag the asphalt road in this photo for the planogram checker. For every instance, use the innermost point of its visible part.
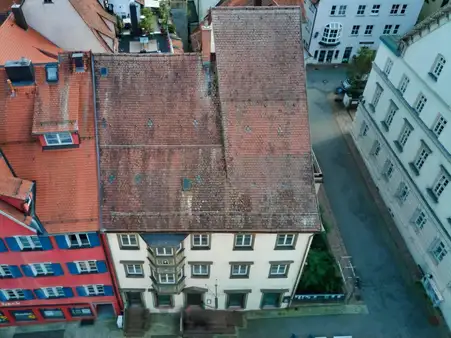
(395, 309)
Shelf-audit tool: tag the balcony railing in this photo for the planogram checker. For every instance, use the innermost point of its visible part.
(317, 173)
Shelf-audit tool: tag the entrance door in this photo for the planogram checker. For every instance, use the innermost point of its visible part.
(271, 299)
(322, 56)
(330, 55)
(105, 311)
(347, 55)
(195, 298)
(133, 298)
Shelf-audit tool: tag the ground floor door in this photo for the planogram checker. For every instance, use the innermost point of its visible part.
(105, 311)
(322, 56)
(330, 55)
(133, 298)
(194, 298)
(347, 55)
(271, 299)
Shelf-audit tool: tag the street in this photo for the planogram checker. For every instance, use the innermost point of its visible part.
(396, 310)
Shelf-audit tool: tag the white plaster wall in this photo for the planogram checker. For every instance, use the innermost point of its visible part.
(60, 23)
(351, 18)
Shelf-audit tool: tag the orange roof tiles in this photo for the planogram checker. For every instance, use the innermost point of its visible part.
(16, 43)
(15, 187)
(66, 179)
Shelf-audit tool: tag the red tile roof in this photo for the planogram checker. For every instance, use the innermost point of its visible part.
(66, 179)
(163, 138)
(16, 43)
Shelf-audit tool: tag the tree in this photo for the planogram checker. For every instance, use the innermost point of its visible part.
(147, 23)
(361, 64)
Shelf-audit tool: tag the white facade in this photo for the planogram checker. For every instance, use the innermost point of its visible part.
(218, 280)
(334, 31)
(60, 23)
(402, 130)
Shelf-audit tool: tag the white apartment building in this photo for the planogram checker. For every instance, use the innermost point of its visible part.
(402, 130)
(334, 31)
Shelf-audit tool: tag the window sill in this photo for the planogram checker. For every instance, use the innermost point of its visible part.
(6, 277)
(129, 248)
(433, 76)
(414, 169)
(337, 15)
(374, 14)
(432, 195)
(284, 248)
(31, 249)
(44, 275)
(131, 276)
(79, 247)
(239, 277)
(200, 277)
(398, 146)
(67, 146)
(385, 126)
(199, 248)
(243, 248)
(274, 276)
(330, 44)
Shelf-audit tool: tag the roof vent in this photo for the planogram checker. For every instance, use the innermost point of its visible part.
(77, 63)
(20, 72)
(19, 17)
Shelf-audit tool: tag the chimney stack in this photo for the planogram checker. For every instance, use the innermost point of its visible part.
(134, 18)
(257, 2)
(19, 17)
(206, 32)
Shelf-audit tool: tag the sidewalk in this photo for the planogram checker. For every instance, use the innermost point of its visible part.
(407, 266)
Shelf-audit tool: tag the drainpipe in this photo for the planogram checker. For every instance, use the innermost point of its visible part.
(99, 191)
(304, 258)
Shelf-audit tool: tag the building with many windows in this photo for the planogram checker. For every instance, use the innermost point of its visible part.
(206, 167)
(53, 264)
(402, 132)
(334, 31)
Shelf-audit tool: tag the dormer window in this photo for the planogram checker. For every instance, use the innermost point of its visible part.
(51, 73)
(78, 63)
(58, 139)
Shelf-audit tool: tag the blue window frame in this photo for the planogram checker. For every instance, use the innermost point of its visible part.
(3, 247)
(78, 240)
(29, 243)
(51, 72)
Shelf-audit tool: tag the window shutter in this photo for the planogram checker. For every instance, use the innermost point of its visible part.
(46, 243)
(61, 241)
(94, 239)
(28, 294)
(12, 244)
(101, 266)
(3, 247)
(68, 292)
(3, 297)
(27, 270)
(39, 294)
(15, 271)
(72, 267)
(108, 290)
(57, 269)
(81, 291)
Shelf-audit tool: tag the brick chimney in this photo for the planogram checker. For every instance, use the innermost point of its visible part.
(19, 17)
(258, 2)
(206, 37)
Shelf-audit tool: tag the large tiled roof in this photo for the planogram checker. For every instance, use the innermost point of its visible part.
(66, 179)
(16, 43)
(246, 3)
(163, 136)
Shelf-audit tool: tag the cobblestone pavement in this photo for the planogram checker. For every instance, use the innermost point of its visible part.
(397, 308)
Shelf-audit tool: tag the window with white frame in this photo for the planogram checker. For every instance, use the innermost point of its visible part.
(355, 30)
(392, 109)
(5, 272)
(166, 278)
(285, 240)
(420, 103)
(278, 270)
(14, 294)
(361, 10)
(134, 269)
(422, 155)
(396, 29)
(377, 95)
(364, 129)
(164, 251)
(239, 270)
(333, 10)
(387, 29)
(439, 125)
(419, 219)
(86, 266)
(439, 251)
(404, 135)
(95, 290)
(42, 269)
(403, 192)
(441, 182)
(243, 241)
(403, 9)
(438, 65)
(200, 270)
(201, 241)
(403, 84)
(58, 139)
(53, 292)
(342, 9)
(332, 33)
(129, 240)
(29, 242)
(369, 29)
(388, 66)
(376, 149)
(375, 9)
(394, 9)
(388, 169)
(78, 240)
